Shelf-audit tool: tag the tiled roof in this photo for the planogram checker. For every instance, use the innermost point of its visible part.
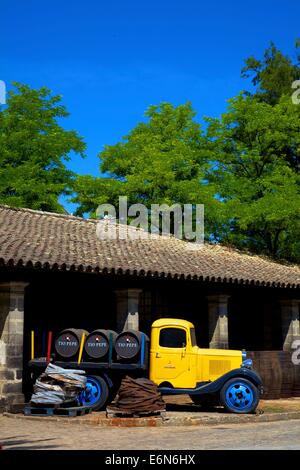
(31, 238)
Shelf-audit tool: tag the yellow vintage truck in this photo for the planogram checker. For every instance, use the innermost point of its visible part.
(174, 361)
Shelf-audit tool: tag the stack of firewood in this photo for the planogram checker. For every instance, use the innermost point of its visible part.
(57, 385)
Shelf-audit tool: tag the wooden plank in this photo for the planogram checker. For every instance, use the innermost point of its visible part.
(116, 412)
(66, 412)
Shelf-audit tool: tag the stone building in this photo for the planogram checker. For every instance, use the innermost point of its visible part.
(55, 273)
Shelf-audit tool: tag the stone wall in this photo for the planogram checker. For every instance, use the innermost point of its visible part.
(11, 343)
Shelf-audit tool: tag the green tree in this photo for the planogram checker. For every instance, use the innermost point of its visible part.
(34, 149)
(255, 148)
(273, 75)
(162, 160)
(258, 161)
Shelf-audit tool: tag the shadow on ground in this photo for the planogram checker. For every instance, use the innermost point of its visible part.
(193, 408)
(11, 443)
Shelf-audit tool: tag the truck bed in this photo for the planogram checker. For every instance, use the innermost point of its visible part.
(41, 363)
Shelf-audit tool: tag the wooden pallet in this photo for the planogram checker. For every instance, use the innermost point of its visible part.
(56, 411)
(117, 413)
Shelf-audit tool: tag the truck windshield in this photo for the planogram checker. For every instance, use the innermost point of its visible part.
(193, 337)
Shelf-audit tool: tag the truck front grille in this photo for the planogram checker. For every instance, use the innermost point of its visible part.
(217, 367)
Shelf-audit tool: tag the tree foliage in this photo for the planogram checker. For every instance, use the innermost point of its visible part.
(161, 161)
(256, 149)
(256, 152)
(34, 148)
(272, 75)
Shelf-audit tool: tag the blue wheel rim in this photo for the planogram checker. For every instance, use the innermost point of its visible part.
(92, 392)
(239, 396)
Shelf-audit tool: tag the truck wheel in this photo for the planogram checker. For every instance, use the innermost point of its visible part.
(95, 394)
(239, 395)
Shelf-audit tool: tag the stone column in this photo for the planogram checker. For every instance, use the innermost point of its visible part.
(290, 322)
(128, 309)
(218, 321)
(11, 343)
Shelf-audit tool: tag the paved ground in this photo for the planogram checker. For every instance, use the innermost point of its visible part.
(28, 434)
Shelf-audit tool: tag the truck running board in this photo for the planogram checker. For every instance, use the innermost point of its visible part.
(185, 391)
(215, 386)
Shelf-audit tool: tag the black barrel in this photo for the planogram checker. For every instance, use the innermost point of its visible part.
(67, 343)
(97, 343)
(128, 344)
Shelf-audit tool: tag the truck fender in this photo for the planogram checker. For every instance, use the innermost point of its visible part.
(243, 372)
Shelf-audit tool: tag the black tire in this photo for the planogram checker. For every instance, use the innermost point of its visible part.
(96, 393)
(239, 395)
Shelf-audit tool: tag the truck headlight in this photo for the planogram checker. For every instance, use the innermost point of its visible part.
(248, 363)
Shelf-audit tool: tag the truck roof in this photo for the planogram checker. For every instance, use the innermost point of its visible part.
(172, 322)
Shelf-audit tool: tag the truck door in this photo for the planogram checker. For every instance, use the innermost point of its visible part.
(170, 361)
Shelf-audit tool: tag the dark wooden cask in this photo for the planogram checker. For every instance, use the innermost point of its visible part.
(98, 342)
(67, 342)
(128, 344)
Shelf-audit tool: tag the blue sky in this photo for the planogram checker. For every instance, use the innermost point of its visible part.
(111, 59)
